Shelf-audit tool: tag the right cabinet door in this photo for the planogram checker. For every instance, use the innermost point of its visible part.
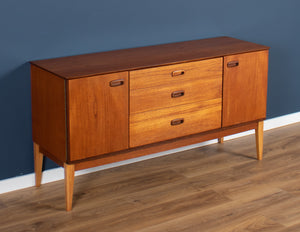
(245, 87)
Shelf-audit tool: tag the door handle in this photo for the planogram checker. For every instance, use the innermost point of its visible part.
(116, 83)
(178, 73)
(232, 64)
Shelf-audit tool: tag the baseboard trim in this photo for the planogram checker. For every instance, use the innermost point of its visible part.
(56, 174)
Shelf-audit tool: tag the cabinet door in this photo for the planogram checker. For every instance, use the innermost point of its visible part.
(245, 87)
(98, 115)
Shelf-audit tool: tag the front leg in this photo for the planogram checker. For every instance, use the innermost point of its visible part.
(69, 184)
(38, 164)
(259, 135)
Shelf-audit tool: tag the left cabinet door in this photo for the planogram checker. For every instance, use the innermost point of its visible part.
(97, 115)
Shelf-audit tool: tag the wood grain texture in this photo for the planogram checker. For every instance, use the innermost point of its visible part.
(162, 146)
(146, 57)
(98, 115)
(48, 112)
(51, 156)
(38, 164)
(200, 84)
(162, 75)
(245, 88)
(154, 126)
(259, 137)
(69, 185)
(213, 188)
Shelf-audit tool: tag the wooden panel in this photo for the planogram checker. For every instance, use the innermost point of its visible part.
(145, 57)
(98, 115)
(245, 88)
(201, 89)
(174, 74)
(155, 126)
(48, 112)
(52, 157)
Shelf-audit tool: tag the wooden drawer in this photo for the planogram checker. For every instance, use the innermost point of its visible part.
(155, 126)
(171, 74)
(173, 94)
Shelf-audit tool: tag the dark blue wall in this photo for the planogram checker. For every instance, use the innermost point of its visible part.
(33, 29)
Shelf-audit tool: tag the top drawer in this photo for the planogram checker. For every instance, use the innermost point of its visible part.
(170, 74)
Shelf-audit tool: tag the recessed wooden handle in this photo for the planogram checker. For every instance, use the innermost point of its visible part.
(116, 83)
(177, 73)
(177, 121)
(178, 93)
(233, 64)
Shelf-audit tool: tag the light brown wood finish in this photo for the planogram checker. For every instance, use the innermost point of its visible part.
(221, 140)
(38, 164)
(245, 88)
(162, 75)
(98, 115)
(69, 185)
(86, 112)
(48, 112)
(259, 136)
(213, 188)
(146, 57)
(155, 126)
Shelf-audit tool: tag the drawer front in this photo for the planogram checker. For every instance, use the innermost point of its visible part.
(168, 123)
(173, 94)
(171, 74)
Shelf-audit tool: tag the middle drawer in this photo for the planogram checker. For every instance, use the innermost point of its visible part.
(175, 94)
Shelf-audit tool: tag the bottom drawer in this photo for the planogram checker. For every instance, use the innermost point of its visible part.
(168, 123)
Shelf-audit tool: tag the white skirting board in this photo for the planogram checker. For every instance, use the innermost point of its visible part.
(55, 174)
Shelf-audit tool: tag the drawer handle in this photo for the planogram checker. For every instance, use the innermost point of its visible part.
(177, 73)
(177, 121)
(178, 93)
(233, 64)
(116, 83)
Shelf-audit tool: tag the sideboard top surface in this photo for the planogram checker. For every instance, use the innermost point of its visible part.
(78, 66)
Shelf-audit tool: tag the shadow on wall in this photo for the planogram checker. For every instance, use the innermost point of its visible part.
(15, 123)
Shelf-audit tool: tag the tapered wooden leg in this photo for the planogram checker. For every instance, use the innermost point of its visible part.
(259, 135)
(38, 164)
(69, 184)
(221, 140)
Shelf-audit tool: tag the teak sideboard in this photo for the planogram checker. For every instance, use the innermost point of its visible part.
(99, 108)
